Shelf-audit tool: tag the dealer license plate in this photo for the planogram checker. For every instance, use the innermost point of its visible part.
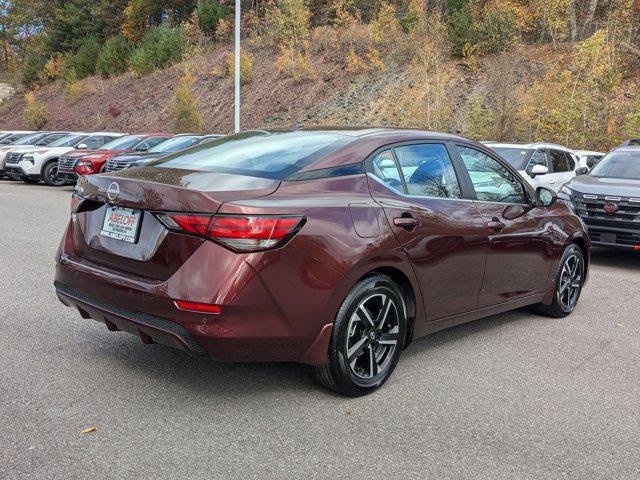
(121, 224)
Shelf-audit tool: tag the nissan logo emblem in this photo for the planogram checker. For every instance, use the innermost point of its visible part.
(113, 191)
(610, 207)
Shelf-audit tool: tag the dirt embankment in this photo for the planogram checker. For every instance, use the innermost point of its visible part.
(132, 104)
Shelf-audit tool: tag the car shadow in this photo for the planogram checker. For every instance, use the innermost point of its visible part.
(615, 258)
(206, 377)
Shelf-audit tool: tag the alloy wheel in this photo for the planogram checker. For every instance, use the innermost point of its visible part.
(372, 336)
(570, 282)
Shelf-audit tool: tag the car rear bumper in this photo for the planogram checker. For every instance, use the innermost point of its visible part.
(150, 329)
(253, 326)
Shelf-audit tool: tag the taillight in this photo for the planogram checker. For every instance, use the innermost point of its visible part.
(76, 201)
(193, 224)
(241, 233)
(253, 232)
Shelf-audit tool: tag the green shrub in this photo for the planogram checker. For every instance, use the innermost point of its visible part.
(160, 47)
(114, 57)
(32, 71)
(83, 62)
(209, 13)
(461, 30)
(246, 66)
(35, 113)
(498, 30)
(184, 110)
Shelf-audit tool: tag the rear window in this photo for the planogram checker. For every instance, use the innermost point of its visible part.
(68, 141)
(258, 154)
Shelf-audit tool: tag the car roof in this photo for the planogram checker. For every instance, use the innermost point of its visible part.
(118, 134)
(528, 146)
(587, 152)
(627, 148)
(367, 140)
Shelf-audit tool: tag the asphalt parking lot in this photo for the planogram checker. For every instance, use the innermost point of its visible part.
(514, 396)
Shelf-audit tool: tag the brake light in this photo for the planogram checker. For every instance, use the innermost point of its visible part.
(253, 232)
(241, 233)
(76, 200)
(197, 307)
(193, 224)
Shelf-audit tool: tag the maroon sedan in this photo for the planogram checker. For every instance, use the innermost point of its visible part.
(332, 248)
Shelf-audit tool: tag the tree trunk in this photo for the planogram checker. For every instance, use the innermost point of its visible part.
(586, 25)
(573, 21)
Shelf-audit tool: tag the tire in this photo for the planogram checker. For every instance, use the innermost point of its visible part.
(568, 284)
(30, 181)
(374, 341)
(50, 175)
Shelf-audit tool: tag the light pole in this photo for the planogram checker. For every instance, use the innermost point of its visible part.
(237, 69)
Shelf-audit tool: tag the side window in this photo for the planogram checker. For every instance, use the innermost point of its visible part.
(428, 171)
(571, 162)
(559, 161)
(384, 167)
(492, 181)
(539, 157)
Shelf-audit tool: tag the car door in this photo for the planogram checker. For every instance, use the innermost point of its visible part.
(520, 236)
(441, 231)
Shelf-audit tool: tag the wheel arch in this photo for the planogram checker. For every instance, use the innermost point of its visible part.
(408, 293)
(47, 162)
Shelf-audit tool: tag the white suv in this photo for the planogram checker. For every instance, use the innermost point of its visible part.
(32, 164)
(541, 164)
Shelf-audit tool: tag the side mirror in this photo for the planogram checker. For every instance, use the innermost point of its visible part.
(142, 148)
(386, 163)
(545, 197)
(83, 146)
(582, 171)
(538, 170)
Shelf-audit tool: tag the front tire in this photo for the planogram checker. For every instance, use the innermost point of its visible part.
(367, 339)
(30, 181)
(569, 281)
(50, 175)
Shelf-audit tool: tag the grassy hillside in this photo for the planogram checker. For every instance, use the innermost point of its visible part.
(335, 96)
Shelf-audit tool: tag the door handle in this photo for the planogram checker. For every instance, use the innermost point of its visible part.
(406, 222)
(495, 225)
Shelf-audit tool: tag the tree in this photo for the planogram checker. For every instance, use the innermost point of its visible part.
(184, 111)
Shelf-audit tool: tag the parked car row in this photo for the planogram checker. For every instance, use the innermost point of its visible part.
(383, 235)
(60, 158)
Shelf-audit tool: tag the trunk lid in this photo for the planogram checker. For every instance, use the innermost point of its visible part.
(157, 253)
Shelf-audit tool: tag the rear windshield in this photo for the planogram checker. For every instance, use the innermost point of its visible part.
(174, 144)
(619, 165)
(258, 153)
(68, 141)
(122, 143)
(517, 157)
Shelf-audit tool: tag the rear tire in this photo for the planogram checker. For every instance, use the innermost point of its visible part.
(367, 339)
(50, 175)
(569, 281)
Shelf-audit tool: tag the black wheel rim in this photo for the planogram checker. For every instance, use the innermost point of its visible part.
(372, 336)
(53, 176)
(570, 282)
